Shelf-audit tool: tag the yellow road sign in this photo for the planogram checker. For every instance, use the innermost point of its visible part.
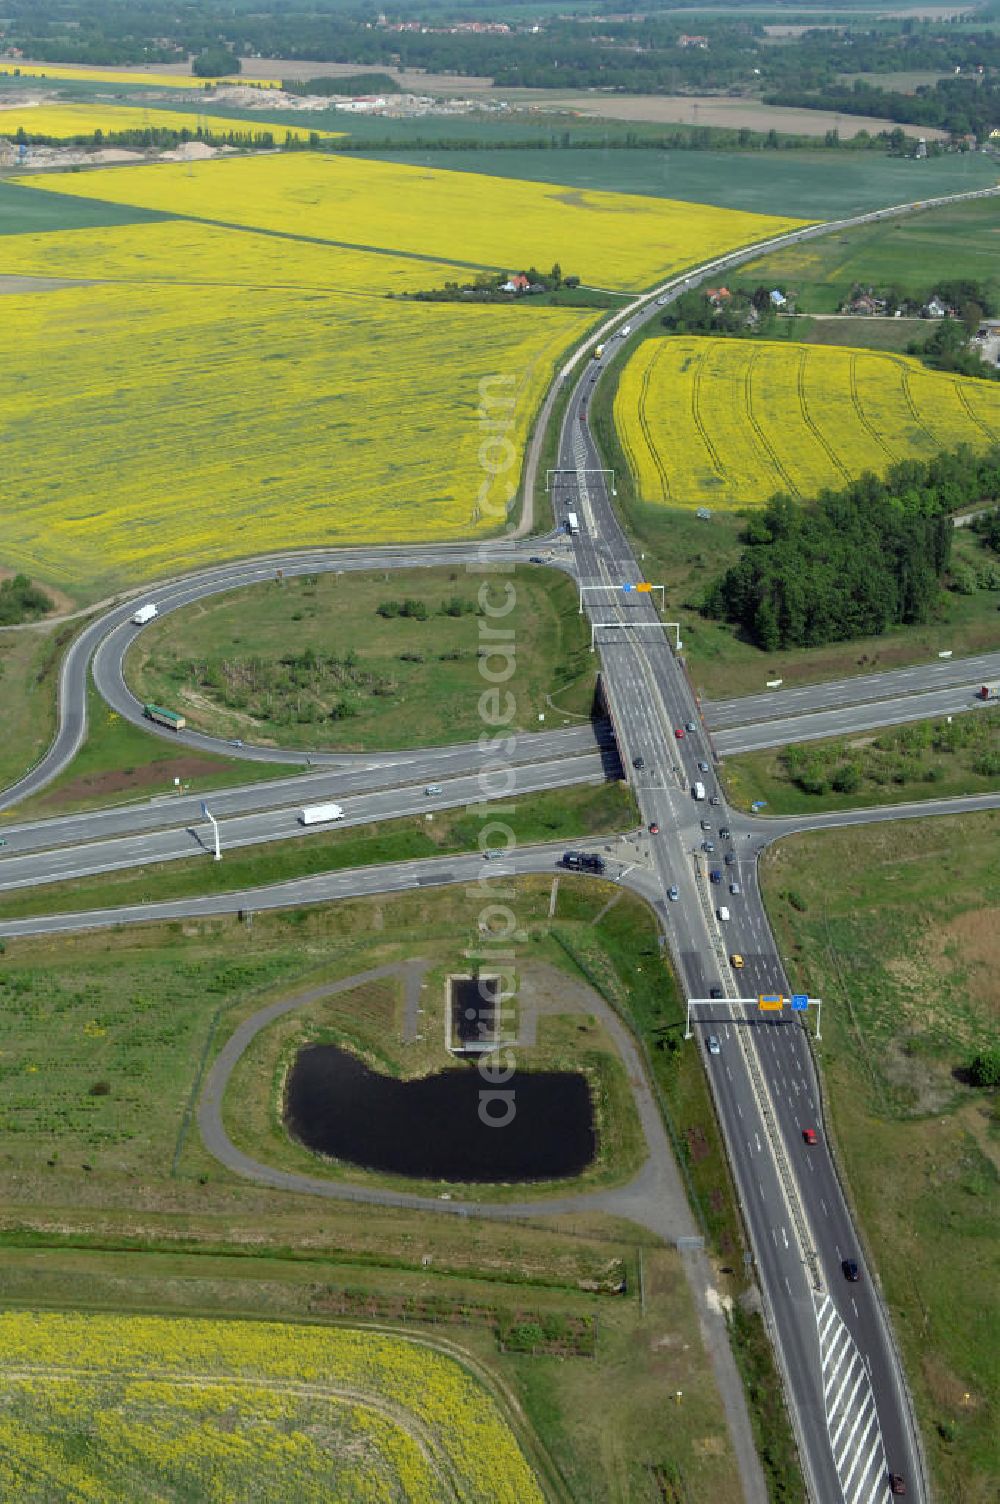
(770, 1004)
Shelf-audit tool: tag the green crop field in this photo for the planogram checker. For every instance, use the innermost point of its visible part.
(313, 662)
(23, 212)
(959, 240)
(810, 184)
(894, 926)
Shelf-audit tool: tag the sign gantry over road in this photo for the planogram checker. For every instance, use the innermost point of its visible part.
(764, 1002)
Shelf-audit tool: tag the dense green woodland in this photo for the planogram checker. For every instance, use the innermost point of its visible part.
(571, 50)
(852, 563)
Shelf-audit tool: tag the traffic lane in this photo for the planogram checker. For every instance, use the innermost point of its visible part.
(779, 703)
(781, 1274)
(845, 721)
(310, 788)
(857, 1303)
(764, 831)
(329, 887)
(67, 862)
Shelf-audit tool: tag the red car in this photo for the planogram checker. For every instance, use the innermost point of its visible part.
(654, 829)
(679, 733)
(809, 1134)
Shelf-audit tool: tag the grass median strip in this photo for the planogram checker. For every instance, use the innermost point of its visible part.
(566, 814)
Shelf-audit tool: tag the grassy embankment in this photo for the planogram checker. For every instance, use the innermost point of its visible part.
(925, 760)
(895, 928)
(110, 1201)
(312, 662)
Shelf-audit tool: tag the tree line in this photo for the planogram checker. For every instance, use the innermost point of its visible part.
(854, 562)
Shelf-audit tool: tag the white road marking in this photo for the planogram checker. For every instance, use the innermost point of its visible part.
(851, 1416)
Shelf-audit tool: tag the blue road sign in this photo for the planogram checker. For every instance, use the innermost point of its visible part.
(628, 587)
(800, 1002)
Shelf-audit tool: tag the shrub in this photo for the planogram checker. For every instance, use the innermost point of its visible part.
(984, 1068)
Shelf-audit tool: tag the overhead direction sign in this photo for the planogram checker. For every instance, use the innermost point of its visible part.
(770, 1003)
(800, 1001)
(644, 587)
(627, 586)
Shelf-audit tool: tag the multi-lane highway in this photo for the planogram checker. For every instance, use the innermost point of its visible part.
(840, 1367)
(841, 1373)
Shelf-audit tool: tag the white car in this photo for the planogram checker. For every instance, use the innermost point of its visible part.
(673, 894)
(734, 889)
(722, 912)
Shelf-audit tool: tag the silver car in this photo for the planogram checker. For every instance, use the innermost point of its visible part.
(714, 1047)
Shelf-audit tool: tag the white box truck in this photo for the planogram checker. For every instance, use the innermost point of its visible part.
(572, 522)
(144, 614)
(722, 912)
(699, 791)
(320, 814)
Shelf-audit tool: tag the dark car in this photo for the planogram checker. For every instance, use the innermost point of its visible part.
(851, 1270)
(730, 858)
(726, 833)
(638, 763)
(715, 875)
(715, 992)
(536, 559)
(896, 1483)
(690, 726)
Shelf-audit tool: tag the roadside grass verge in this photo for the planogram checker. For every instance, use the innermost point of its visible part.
(895, 928)
(373, 661)
(565, 814)
(939, 759)
(29, 672)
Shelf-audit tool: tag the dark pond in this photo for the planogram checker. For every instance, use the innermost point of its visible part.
(433, 1128)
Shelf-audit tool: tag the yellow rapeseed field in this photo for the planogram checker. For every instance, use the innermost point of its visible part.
(153, 428)
(729, 422)
(608, 239)
(138, 79)
(183, 251)
(118, 1408)
(66, 121)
